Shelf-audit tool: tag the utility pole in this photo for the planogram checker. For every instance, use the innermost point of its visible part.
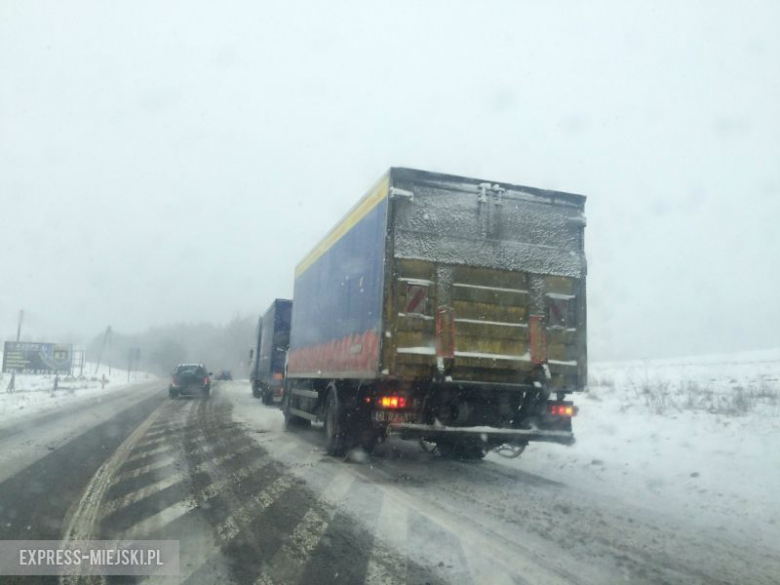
(130, 358)
(106, 342)
(19, 327)
(12, 383)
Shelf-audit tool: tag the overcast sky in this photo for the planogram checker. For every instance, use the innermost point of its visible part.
(172, 161)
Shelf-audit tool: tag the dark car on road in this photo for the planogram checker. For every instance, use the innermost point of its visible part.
(224, 375)
(190, 380)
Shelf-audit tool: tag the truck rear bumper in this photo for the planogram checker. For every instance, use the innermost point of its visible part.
(487, 434)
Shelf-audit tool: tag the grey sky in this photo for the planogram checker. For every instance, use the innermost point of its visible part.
(140, 140)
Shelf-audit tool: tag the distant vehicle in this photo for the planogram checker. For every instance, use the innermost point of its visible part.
(268, 357)
(443, 309)
(190, 380)
(224, 375)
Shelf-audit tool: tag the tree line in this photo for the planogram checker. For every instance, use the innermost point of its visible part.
(163, 347)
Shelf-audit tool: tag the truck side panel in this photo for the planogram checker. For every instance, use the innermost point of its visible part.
(338, 294)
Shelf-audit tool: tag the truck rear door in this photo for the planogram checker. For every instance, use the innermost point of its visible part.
(489, 280)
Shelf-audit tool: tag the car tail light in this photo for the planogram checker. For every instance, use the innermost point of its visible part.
(392, 402)
(562, 409)
(206, 380)
(173, 380)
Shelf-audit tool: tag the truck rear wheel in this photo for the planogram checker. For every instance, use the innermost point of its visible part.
(268, 397)
(368, 441)
(335, 427)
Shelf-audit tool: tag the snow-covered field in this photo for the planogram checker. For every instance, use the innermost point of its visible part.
(693, 436)
(35, 395)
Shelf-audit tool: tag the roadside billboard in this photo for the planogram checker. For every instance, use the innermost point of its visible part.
(25, 357)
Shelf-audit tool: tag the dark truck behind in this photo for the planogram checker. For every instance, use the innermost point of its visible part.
(270, 352)
(444, 309)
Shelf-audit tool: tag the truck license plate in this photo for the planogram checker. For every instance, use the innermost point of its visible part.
(392, 417)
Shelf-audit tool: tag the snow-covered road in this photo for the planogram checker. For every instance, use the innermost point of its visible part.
(253, 503)
(496, 522)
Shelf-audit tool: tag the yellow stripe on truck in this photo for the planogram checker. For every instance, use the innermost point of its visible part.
(363, 207)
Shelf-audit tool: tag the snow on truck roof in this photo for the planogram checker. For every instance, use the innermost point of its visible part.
(405, 172)
(380, 189)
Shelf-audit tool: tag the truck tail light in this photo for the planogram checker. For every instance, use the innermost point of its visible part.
(392, 402)
(278, 376)
(562, 409)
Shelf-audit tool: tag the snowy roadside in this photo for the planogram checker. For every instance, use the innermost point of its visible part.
(34, 394)
(696, 437)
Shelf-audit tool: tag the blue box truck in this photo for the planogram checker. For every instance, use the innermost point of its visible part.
(444, 309)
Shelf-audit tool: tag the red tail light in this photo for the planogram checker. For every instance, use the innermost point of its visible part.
(563, 410)
(392, 402)
(173, 380)
(205, 380)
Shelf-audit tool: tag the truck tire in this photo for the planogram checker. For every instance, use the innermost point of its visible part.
(268, 397)
(337, 437)
(366, 435)
(256, 391)
(369, 443)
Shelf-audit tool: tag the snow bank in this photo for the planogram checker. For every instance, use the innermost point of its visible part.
(731, 384)
(35, 395)
(697, 436)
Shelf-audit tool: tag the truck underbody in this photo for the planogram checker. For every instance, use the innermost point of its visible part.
(463, 420)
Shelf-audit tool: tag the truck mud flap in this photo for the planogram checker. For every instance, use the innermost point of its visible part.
(488, 434)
